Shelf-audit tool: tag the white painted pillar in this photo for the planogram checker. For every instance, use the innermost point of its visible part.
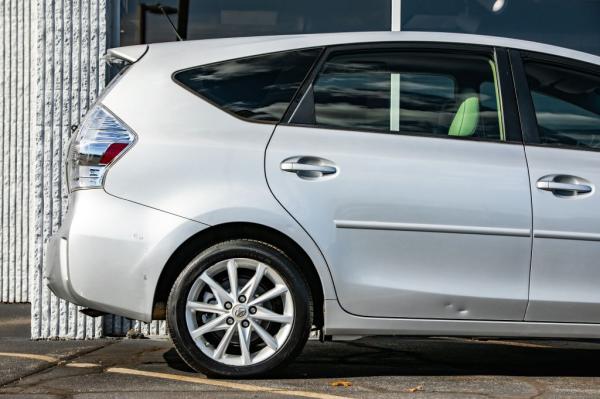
(71, 40)
(396, 15)
(15, 105)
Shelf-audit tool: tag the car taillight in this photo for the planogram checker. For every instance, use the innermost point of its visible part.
(97, 144)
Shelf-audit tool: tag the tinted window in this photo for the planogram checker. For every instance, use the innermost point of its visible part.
(407, 92)
(567, 105)
(572, 24)
(258, 88)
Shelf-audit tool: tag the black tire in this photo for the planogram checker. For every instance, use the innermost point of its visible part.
(242, 248)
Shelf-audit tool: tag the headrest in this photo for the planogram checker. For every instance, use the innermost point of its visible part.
(466, 119)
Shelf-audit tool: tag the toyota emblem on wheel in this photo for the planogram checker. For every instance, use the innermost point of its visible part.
(240, 312)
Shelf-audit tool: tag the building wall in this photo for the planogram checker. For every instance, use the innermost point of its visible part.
(16, 55)
(51, 72)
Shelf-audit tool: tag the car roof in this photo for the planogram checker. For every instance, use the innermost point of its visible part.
(197, 52)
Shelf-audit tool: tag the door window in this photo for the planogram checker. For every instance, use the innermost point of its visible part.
(567, 105)
(406, 92)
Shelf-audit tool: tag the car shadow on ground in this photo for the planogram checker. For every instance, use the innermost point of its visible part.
(395, 356)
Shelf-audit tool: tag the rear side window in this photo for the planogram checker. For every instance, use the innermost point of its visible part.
(567, 105)
(404, 92)
(258, 88)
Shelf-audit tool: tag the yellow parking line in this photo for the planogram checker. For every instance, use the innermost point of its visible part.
(17, 321)
(224, 384)
(82, 365)
(31, 356)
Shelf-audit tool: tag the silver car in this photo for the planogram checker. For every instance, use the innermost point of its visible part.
(253, 189)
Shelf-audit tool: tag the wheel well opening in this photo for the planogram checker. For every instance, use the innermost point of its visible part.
(216, 234)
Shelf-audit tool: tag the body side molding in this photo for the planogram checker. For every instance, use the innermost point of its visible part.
(432, 228)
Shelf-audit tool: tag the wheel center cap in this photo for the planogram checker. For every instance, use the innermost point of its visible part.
(239, 312)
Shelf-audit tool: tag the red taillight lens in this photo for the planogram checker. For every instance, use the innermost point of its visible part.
(99, 141)
(112, 152)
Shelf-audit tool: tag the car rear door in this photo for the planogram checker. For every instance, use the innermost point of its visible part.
(560, 109)
(399, 165)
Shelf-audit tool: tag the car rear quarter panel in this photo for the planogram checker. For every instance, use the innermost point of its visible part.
(194, 160)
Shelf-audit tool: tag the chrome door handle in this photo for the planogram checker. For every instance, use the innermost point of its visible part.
(300, 167)
(308, 167)
(564, 184)
(553, 186)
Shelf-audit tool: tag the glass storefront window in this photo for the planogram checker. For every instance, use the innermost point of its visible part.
(573, 24)
(142, 21)
(143, 24)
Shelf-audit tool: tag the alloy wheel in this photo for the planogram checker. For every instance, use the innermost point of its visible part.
(239, 312)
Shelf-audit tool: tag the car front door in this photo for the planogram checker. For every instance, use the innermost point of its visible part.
(399, 165)
(560, 104)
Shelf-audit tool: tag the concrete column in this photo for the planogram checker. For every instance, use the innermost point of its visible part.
(70, 40)
(16, 57)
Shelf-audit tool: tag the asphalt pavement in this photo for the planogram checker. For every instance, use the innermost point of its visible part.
(372, 367)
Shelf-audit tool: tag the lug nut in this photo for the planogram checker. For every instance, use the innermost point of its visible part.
(230, 320)
(242, 298)
(227, 305)
(252, 309)
(245, 323)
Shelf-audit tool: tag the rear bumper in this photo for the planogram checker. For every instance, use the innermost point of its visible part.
(55, 272)
(109, 253)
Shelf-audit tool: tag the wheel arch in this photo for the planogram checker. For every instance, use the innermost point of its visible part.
(237, 230)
